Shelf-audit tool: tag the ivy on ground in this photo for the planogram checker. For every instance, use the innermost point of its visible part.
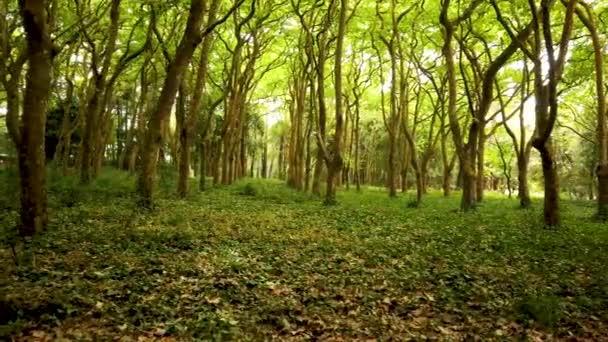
(258, 261)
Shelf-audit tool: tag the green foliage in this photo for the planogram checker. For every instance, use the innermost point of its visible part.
(271, 191)
(543, 309)
(249, 190)
(9, 206)
(167, 178)
(280, 265)
(66, 190)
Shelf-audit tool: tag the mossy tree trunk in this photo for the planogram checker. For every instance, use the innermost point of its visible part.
(32, 172)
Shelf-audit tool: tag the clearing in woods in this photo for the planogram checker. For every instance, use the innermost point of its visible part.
(257, 260)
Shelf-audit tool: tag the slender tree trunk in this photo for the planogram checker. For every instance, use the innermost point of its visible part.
(308, 162)
(334, 160)
(547, 102)
(419, 186)
(481, 179)
(469, 176)
(322, 156)
(316, 181)
(447, 183)
(202, 167)
(522, 178)
(587, 17)
(357, 166)
(184, 143)
(96, 102)
(265, 160)
(190, 40)
(551, 209)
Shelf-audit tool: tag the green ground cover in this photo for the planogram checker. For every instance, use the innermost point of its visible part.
(256, 261)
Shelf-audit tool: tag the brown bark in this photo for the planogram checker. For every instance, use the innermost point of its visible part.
(357, 166)
(523, 189)
(296, 143)
(322, 154)
(63, 145)
(32, 172)
(481, 179)
(189, 121)
(392, 123)
(522, 146)
(202, 182)
(184, 142)
(468, 152)
(446, 183)
(551, 181)
(281, 156)
(446, 162)
(467, 170)
(95, 103)
(334, 159)
(190, 40)
(307, 140)
(587, 17)
(239, 84)
(132, 147)
(506, 165)
(546, 101)
(10, 71)
(264, 171)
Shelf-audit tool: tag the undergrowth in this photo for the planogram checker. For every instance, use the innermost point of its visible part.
(257, 260)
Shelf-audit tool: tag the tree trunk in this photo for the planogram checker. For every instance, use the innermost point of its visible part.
(481, 179)
(308, 165)
(334, 159)
(551, 207)
(281, 157)
(316, 179)
(184, 143)
(322, 158)
(522, 178)
(96, 101)
(446, 185)
(31, 157)
(357, 167)
(468, 190)
(469, 176)
(419, 187)
(602, 190)
(390, 181)
(216, 165)
(189, 42)
(587, 17)
(203, 167)
(265, 160)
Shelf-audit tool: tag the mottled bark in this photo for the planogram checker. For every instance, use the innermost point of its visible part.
(190, 40)
(184, 142)
(95, 103)
(587, 17)
(334, 159)
(32, 172)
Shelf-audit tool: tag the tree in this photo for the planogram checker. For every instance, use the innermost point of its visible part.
(587, 17)
(31, 155)
(466, 164)
(189, 120)
(192, 36)
(334, 158)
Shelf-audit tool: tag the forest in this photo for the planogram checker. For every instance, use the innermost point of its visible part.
(328, 170)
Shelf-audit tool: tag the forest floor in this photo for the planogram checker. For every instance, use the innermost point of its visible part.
(258, 261)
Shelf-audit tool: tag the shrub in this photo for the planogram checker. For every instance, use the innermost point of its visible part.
(249, 190)
(543, 309)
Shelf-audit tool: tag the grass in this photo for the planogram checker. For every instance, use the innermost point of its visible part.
(258, 261)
